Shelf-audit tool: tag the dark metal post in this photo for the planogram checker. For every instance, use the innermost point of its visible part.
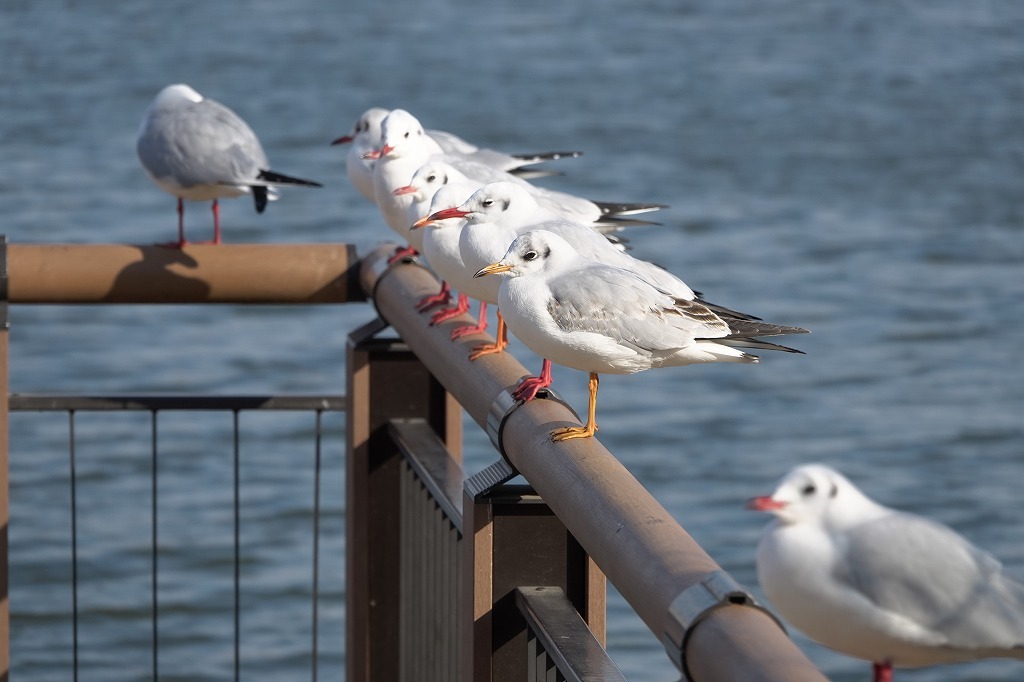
(385, 381)
(512, 538)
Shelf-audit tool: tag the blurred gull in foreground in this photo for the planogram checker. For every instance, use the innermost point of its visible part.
(886, 586)
(605, 319)
(197, 149)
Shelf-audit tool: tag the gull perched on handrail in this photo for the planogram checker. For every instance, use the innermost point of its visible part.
(197, 149)
(365, 137)
(604, 319)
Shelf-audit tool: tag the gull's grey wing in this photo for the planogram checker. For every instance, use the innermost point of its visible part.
(615, 302)
(199, 143)
(910, 565)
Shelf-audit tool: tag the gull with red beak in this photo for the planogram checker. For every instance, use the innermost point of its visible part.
(603, 319)
(879, 584)
(365, 138)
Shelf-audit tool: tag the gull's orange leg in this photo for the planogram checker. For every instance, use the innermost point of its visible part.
(497, 346)
(581, 431)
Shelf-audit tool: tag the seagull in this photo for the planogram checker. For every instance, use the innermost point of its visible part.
(441, 249)
(365, 137)
(439, 182)
(603, 319)
(198, 149)
(887, 586)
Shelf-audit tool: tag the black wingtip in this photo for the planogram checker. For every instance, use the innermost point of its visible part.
(619, 209)
(547, 156)
(282, 179)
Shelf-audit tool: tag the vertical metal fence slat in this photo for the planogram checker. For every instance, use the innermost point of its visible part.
(316, 541)
(236, 531)
(74, 546)
(153, 542)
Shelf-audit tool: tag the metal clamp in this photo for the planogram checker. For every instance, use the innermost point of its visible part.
(697, 602)
(380, 267)
(502, 408)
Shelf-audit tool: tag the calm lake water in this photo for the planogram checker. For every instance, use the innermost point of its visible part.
(853, 168)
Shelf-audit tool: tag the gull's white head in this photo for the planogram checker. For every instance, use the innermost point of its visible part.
(400, 132)
(432, 176)
(536, 252)
(366, 130)
(445, 196)
(177, 93)
(503, 203)
(814, 493)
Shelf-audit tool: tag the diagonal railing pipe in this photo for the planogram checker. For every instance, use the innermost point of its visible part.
(705, 621)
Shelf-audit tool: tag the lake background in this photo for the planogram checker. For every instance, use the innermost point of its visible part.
(853, 168)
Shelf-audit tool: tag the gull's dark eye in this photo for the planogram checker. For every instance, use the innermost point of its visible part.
(431, 177)
(406, 134)
(808, 489)
(530, 255)
(487, 203)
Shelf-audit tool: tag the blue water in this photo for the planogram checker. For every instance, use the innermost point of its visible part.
(853, 168)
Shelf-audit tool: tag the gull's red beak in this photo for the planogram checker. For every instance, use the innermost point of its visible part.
(765, 503)
(386, 149)
(447, 213)
(372, 154)
(408, 189)
(344, 139)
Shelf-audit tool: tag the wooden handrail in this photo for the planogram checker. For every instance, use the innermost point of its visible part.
(226, 273)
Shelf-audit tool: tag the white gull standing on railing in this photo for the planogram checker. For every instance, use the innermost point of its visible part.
(365, 137)
(604, 319)
(197, 149)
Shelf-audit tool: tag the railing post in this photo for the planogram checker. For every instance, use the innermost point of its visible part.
(385, 381)
(5, 604)
(512, 538)
(4, 467)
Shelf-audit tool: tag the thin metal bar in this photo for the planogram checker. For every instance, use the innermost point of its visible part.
(316, 540)
(237, 608)
(143, 402)
(153, 518)
(74, 546)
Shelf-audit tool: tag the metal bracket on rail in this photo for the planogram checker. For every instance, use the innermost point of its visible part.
(695, 603)
(501, 409)
(380, 267)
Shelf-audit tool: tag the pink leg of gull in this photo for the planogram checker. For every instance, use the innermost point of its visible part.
(216, 222)
(530, 386)
(440, 298)
(402, 252)
(461, 306)
(478, 328)
(881, 672)
(182, 242)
